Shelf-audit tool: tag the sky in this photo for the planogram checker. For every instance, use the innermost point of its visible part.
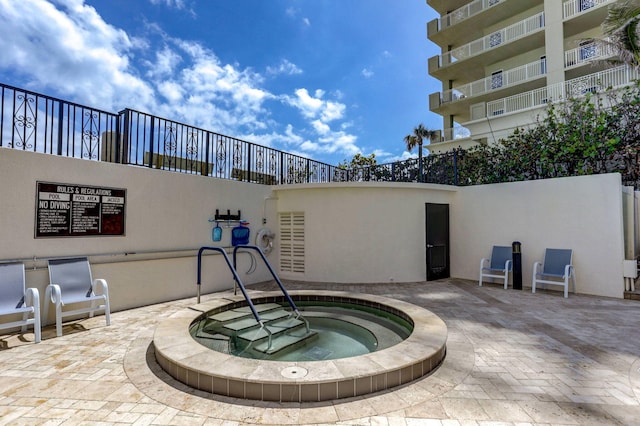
(325, 79)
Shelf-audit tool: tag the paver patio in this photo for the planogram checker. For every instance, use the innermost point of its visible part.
(514, 358)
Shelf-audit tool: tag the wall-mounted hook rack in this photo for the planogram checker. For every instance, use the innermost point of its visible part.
(228, 216)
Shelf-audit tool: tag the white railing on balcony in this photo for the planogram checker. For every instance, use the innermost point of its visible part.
(575, 7)
(587, 53)
(465, 12)
(496, 39)
(496, 81)
(612, 78)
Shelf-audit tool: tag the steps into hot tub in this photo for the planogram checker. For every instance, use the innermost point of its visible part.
(240, 323)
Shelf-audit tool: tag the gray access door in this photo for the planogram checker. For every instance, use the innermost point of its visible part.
(437, 241)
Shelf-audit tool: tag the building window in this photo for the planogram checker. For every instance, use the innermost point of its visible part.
(543, 65)
(496, 80)
(492, 2)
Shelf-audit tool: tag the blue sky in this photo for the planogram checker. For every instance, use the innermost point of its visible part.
(321, 78)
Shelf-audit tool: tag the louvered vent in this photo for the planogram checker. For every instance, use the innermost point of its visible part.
(292, 242)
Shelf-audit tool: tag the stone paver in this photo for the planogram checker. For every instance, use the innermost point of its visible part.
(513, 358)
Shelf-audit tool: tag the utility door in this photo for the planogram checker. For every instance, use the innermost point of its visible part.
(437, 240)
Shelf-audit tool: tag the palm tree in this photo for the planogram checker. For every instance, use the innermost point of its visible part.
(621, 29)
(420, 133)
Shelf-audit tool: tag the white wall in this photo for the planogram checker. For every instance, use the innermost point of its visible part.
(582, 213)
(375, 232)
(363, 232)
(355, 232)
(165, 212)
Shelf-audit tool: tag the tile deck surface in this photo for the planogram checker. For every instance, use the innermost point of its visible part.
(513, 358)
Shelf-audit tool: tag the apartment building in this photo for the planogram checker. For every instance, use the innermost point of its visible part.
(503, 61)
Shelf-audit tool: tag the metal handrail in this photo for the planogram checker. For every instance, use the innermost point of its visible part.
(235, 276)
(275, 277)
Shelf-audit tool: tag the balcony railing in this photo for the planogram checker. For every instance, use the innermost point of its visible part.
(506, 35)
(612, 78)
(465, 12)
(496, 81)
(587, 53)
(575, 7)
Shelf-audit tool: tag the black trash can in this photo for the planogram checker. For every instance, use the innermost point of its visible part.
(516, 258)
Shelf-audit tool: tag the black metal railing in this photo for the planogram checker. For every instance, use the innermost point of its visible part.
(33, 122)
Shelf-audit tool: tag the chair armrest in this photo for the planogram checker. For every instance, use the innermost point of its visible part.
(567, 271)
(100, 284)
(483, 261)
(507, 265)
(32, 297)
(53, 292)
(536, 266)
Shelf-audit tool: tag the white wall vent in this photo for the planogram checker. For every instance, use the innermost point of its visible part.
(291, 241)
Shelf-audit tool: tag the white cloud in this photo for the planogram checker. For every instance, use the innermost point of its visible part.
(284, 67)
(172, 91)
(165, 64)
(178, 4)
(367, 73)
(174, 4)
(320, 127)
(67, 47)
(333, 111)
(71, 48)
(314, 106)
(292, 12)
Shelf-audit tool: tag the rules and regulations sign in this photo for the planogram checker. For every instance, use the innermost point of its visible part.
(68, 210)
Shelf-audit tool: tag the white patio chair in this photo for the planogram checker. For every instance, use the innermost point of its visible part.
(16, 299)
(556, 269)
(71, 283)
(498, 266)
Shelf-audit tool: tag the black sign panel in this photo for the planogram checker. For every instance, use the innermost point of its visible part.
(68, 210)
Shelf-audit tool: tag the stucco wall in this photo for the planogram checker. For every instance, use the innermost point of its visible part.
(164, 212)
(581, 213)
(354, 232)
(363, 232)
(375, 232)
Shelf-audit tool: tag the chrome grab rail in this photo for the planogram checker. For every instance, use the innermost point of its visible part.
(235, 276)
(275, 277)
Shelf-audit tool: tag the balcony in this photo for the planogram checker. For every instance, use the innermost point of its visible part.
(592, 83)
(581, 15)
(576, 7)
(593, 55)
(586, 54)
(496, 81)
(443, 31)
(442, 6)
(502, 44)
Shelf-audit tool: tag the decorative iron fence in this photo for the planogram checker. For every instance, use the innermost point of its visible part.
(40, 123)
(33, 122)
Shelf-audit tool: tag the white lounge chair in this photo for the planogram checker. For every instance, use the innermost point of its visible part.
(498, 266)
(16, 299)
(71, 283)
(556, 269)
